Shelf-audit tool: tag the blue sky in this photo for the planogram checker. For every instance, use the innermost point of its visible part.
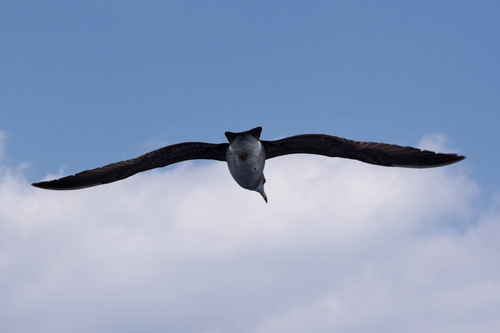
(113, 75)
(83, 84)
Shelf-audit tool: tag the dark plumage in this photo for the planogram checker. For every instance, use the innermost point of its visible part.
(246, 153)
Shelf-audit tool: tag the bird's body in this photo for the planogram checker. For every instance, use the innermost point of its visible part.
(245, 155)
(245, 158)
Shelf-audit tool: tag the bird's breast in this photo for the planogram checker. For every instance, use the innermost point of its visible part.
(245, 160)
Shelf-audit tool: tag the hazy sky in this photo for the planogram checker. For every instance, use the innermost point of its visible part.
(341, 246)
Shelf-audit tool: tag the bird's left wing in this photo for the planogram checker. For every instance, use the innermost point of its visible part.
(155, 159)
(368, 152)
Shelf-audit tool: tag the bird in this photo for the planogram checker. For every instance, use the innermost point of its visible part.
(245, 154)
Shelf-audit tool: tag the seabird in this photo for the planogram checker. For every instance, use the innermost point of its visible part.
(246, 154)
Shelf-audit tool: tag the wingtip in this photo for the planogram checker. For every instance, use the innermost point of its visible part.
(457, 158)
(61, 185)
(46, 186)
(39, 185)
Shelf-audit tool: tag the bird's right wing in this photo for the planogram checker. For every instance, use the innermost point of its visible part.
(155, 159)
(368, 152)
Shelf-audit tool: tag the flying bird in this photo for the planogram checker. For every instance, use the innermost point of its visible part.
(246, 154)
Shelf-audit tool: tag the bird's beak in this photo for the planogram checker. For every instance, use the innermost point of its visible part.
(264, 195)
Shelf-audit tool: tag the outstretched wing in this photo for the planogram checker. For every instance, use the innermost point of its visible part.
(155, 159)
(369, 152)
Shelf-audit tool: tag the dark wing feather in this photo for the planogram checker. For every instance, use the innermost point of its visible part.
(369, 152)
(155, 159)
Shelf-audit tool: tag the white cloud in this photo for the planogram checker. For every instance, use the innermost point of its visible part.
(435, 142)
(341, 246)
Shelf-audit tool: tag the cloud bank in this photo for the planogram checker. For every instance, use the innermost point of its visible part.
(341, 246)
